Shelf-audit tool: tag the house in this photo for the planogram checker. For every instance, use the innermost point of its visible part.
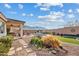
(30, 31)
(10, 26)
(67, 30)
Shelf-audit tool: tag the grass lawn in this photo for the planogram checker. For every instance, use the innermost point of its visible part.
(69, 40)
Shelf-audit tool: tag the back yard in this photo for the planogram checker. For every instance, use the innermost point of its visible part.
(21, 47)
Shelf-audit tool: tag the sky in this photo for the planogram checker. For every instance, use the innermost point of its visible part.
(47, 15)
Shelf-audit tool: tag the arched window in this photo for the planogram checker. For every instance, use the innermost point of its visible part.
(1, 27)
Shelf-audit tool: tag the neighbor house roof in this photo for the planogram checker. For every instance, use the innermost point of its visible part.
(67, 30)
(15, 20)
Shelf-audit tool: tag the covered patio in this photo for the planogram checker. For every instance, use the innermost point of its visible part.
(10, 26)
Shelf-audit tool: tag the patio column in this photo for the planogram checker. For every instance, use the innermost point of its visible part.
(21, 30)
(5, 30)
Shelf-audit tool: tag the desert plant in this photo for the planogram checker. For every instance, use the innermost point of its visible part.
(51, 41)
(36, 42)
(7, 40)
(5, 44)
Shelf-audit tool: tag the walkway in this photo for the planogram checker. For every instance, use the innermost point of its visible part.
(20, 47)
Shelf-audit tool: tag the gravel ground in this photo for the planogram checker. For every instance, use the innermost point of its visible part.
(73, 50)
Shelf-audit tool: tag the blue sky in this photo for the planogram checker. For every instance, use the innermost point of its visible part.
(55, 15)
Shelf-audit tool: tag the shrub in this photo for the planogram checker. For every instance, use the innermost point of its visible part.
(3, 48)
(36, 42)
(47, 32)
(5, 44)
(7, 40)
(51, 41)
(46, 41)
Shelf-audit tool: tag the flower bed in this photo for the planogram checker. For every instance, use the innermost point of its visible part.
(47, 41)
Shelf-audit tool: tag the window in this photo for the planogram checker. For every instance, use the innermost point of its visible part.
(1, 27)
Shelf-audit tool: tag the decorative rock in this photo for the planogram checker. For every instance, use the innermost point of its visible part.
(32, 54)
(11, 52)
(22, 41)
(21, 53)
(18, 49)
(12, 48)
(53, 51)
(28, 50)
(25, 45)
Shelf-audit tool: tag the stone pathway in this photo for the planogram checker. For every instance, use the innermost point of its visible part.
(20, 47)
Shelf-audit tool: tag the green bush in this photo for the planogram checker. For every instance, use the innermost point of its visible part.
(5, 44)
(47, 33)
(7, 40)
(3, 48)
(36, 42)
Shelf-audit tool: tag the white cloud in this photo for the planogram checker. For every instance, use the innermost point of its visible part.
(71, 15)
(38, 23)
(23, 14)
(7, 6)
(57, 4)
(77, 10)
(20, 6)
(31, 14)
(53, 16)
(70, 10)
(28, 15)
(13, 12)
(46, 6)
(59, 14)
(44, 9)
(54, 19)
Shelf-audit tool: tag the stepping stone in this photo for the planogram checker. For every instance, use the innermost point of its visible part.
(21, 53)
(11, 52)
(18, 49)
(12, 48)
(32, 54)
(22, 41)
(28, 50)
(25, 45)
